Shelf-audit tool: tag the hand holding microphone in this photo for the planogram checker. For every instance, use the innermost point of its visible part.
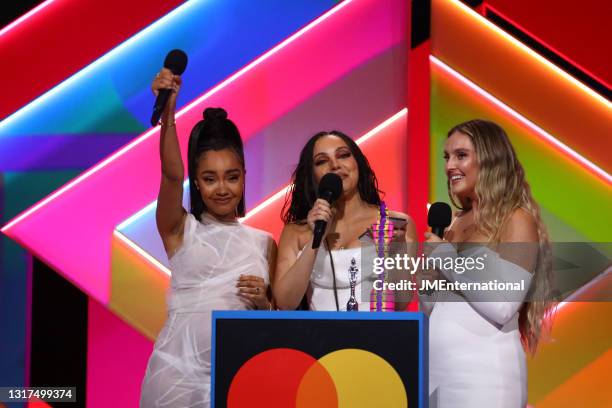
(166, 80)
(330, 188)
(321, 211)
(438, 219)
(167, 83)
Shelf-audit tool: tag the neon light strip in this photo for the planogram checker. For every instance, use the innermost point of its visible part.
(142, 252)
(532, 53)
(185, 8)
(26, 16)
(182, 9)
(152, 131)
(545, 44)
(268, 201)
(264, 57)
(382, 126)
(538, 130)
(145, 210)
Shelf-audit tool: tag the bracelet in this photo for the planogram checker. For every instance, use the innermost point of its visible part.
(169, 124)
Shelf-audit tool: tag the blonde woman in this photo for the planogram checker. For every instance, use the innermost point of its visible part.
(478, 337)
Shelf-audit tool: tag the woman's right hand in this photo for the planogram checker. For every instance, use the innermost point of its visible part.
(165, 79)
(321, 210)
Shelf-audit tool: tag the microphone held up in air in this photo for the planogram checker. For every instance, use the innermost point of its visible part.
(330, 189)
(176, 61)
(439, 217)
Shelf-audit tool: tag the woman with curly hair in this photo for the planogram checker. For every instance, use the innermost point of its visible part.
(321, 274)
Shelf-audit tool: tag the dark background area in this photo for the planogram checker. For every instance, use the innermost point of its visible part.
(13, 9)
(59, 334)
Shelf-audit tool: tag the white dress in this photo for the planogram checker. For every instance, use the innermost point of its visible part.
(320, 293)
(476, 358)
(205, 270)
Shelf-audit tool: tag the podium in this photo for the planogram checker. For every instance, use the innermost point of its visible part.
(319, 359)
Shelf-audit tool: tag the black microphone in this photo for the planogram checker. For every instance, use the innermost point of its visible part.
(176, 61)
(330, 189)
(439, 217)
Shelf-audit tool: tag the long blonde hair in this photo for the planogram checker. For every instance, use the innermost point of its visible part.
(502, 188)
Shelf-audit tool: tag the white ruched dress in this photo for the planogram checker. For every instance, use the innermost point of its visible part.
(476, 358)
(205, 270)
(320, 293)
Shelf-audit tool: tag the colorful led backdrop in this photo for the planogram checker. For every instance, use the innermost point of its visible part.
(376, 70)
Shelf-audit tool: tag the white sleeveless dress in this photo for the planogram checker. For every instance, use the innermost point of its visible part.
(476, 358)
(205, 270)
(320, 293)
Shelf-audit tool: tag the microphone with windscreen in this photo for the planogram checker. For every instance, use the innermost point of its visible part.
(330, 189)
(176, 61)
(439, 217)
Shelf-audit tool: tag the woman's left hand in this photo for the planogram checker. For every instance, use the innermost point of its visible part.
(253, 288)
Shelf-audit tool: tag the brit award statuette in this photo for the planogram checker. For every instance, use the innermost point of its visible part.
(352, 305)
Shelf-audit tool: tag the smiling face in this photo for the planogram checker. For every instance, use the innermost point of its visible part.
(461, 166)
(220, 180)
(332, 155)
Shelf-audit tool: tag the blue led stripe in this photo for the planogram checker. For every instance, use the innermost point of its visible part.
(112, 94)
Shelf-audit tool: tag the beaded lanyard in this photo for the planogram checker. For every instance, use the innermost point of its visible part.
(382, 231)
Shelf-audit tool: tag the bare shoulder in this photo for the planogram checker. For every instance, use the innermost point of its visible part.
(521, 226)
(294, 228)
(294, 233)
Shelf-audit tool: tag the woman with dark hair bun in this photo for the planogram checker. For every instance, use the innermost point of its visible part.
(321, 274)
(216, 262)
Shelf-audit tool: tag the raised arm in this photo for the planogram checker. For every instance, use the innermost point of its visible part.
(170, 215)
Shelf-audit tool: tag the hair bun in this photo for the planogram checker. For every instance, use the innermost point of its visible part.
(215, 114)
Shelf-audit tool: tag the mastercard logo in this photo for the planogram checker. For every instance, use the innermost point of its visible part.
(287, 377)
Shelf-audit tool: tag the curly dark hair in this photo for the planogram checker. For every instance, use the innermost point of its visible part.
(303, 190)
(214, 132)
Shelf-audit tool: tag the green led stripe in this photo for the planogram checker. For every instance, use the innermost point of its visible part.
(569, 193)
